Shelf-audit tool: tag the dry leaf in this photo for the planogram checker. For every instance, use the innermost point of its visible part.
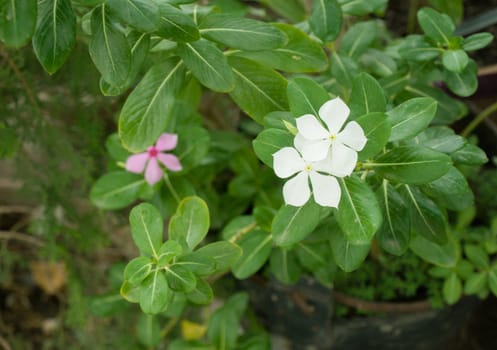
(49, 276)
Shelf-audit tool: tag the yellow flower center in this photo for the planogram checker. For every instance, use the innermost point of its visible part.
(308, 168)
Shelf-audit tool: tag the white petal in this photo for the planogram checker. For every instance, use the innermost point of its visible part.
(353, 136)
(310, 127)
(325, 189)
(315, 151)
(286, 162)
(299, 141)
(343, 160)
(324, 166)
(296, 191)
(334, 113)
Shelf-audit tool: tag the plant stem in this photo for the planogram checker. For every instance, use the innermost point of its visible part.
(171, 188)
(411, 19)
(479, 118)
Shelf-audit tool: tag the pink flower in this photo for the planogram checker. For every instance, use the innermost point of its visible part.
(149, 159)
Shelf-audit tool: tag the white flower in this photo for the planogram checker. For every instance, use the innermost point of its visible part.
(316, 141)
(325, 188)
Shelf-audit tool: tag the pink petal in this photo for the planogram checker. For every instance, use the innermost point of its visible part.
(170, 161)
(334, 113)
(311, 128)
(325, 189)
(153, 174)
(296, 191)
(166, 142)
(286, 162)
(353, 136)
(136, 163)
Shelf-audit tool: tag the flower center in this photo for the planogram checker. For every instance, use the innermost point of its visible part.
(308, 168)
(333, 137)
(152, 152)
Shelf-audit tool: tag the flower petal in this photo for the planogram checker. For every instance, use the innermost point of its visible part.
(343, 160)
(324, 165)
(325, 189)
(334, 113)
(170, 161)
(310, 127)
(166, 142)
(315, 151)
(296, 191)
(136, 163)
(286, 162)
(299, 141)
(353, 136)
(153, 174)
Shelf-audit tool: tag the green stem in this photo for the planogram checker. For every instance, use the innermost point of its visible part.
(171, 188)
(479, 118)
(411, 19)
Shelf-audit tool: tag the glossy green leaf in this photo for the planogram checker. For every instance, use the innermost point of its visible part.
(362, 7)
(201, 294)
(200, 264)
(412, 165)
(445, 255)
(418, 48)
(130, 292)
(367, 96)
(492, 280)
(477, 255)
(116, 190)
(455, 60)
(359, 214)
(411, 117)
(313, 255)
(146, 229)
(138, 269)
(224, 253)
(109, 48)
(284, 265)
(435, 25)
(223, 329)
(325, 20)
(190, 224)
(258, 90)
(154, 293)
(394, 234)
(149, 330)
(141, 14)
(358, 38)
(379, 63)
(208, 64)
(193, 145)
(465, 82)
(280, 120)
(237, 227)
(269, 142)
(292, 224)
(17, 21)
(176, 25)
(241, 33)
(55, 33)
(305, 96)
(301, 53)
(168, 251)
(427, 219)
(344, 69)
(470, 155)
(377, 129)
(147, 109)
(348, 256)
(452, 289)
(256, 247)
(180, 278)
(477, 41)
(291, 9)
(476, 283)
(106, 305)
(441, 138)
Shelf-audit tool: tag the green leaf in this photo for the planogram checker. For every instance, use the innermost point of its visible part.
(477, 255)
(412, 165)
(477, 41)
(465, 82)
(454, 9)
(455, 60)
(284, 265)
(223, 329)
(394, 234)
(291, 9)
(313, 255)
(168, 251)
(106, 305)
(344, 69)
(293, 224)
(451, 190)
(301, 53)
(440, 255)
(348, 256)
(149, 330)
(17, 21)
(358, 38)
(109, 48)
(140, 14)
(280, 120)
(138, 269)
(176, 25)
(452, 289)
(476, 283)
(238, 226)
(208, 64)
(377, 129)
(305, 96)
(269, 142)
(256, 247)
(411, 117)
(470, 155)
(193, 146)
(418, 48)
(326, 19)
(202, 294)
(147, 109)
(130, 292)
(116, 190)
(9, 141)
(435, 25)
(379, 63)
(362, 7)
(154, 293)
(441, 139)
(200, 264)
(180, 278)
(224, 253)
(492, 280)
(241, 33)
(55, 33)
(427, 219)
(258, 90)
(190, 224)
(367, 96)
(359, 214)
(146, 229)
